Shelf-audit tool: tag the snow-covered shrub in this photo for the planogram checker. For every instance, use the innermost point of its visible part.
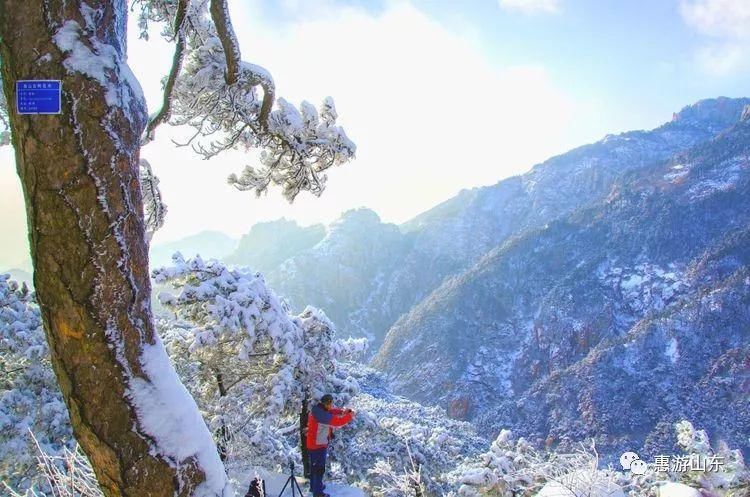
(394, 443)
(514, 468)
(30, 399)
(395, 483)
(685, 476)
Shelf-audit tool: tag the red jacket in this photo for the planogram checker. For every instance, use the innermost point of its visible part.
(320, 425)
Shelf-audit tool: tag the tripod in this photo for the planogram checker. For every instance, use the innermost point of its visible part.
(292, 482)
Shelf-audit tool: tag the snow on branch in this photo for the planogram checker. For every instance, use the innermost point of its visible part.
(218, 94)
(154, 210)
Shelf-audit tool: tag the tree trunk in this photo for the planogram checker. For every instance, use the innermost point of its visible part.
(79, 172)
(302, 438)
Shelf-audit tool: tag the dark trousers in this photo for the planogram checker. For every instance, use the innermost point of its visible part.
(317, 469)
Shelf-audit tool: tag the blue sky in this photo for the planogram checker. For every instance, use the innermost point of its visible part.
(641, 58)
(438, 95)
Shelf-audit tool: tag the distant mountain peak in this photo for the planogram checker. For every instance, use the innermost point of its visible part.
(714, 113)
(264, 227)
(746, 113)
(362, 215)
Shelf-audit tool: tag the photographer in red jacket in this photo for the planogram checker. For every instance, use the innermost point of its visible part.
(321, 421)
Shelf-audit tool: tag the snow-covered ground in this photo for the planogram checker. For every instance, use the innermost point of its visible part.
(672, 489)
(275, 482)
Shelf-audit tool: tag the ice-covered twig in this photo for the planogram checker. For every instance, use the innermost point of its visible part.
(67, 475)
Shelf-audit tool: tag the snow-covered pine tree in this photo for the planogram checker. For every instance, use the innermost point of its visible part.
(30, 400)
(251, 365)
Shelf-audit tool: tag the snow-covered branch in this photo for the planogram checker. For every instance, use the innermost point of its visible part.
(218, 95)
(225, 32)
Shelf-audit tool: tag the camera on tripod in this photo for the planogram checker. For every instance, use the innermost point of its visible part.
(291, 482)
(258, 486)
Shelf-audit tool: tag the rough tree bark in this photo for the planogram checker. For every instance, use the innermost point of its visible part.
(79, 171)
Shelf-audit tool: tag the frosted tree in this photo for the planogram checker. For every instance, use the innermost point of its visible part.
(322, 373)
(514, 468)
(30, 400)
(211, 89)
(80, 173)
(252, 365)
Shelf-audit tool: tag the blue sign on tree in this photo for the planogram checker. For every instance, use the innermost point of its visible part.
(38, 96)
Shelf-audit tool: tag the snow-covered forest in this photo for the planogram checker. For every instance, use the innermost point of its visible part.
(249, 364)
(576, 329)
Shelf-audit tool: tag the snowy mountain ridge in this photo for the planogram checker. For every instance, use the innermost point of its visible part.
(397, 269)
(645, 291)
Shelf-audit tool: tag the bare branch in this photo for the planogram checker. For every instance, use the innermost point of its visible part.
(179, 54)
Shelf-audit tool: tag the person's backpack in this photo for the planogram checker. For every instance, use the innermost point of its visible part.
(257, 488)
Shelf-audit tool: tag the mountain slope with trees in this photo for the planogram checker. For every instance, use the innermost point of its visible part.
(611, 322)
(403, 267)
